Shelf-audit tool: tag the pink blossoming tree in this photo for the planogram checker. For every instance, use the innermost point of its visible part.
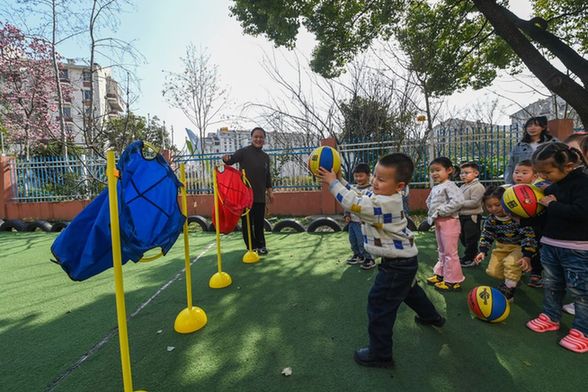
(27, 89)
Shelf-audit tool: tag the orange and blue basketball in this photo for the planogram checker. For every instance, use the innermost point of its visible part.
(522, 200)
(325, 157)
(488, 304)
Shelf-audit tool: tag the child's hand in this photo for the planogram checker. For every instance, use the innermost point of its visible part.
(525, 263)
(516, 218)
(547, 199)
(326, 176)
(479, 258)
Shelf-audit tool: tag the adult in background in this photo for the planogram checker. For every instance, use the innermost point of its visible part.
(534, 134)
(256, 164)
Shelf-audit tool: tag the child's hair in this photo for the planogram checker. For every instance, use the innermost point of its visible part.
(402, 163)
(471, 165)
(542, 122)
(584, 146)
(526, 163)
(493, 192)
(443, 161)
(362, 168)
(561, 154)
(575, 137)
(258, 129)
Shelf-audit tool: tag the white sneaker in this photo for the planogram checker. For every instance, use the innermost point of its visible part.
(569, 309)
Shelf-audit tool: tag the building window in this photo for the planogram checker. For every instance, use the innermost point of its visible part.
(87, 95)
(86, 76)
(67, 112)
(63, 74)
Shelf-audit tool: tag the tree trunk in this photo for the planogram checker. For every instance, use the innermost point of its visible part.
(58, 81)
(551, 77)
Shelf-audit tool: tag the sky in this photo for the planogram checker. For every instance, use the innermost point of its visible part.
(161, 30)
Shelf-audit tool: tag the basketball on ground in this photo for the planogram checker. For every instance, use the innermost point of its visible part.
(522, 200)
(325, 157)
(488, 304)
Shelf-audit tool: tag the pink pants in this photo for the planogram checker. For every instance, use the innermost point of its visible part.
(447, 231)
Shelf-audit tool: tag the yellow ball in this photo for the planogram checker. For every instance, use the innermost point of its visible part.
(522, 200)
(325, 157)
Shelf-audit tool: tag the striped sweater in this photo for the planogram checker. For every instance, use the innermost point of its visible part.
(507, 231)
(383, 221)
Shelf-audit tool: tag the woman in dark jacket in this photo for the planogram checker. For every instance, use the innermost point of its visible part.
(534, 134)
(256, 164)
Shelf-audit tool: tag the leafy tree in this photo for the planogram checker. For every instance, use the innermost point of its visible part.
(120, 132)
(343, 29)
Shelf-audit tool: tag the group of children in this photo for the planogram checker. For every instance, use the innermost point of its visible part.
(552, 246)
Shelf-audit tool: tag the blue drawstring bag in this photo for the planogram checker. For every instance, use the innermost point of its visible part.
(149, 216)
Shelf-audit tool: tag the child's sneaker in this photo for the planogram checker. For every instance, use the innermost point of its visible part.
(368, 264)
(433, 280)
(535, 281)
(446, 286)
(468, 264)
(575, 341)
(542, 324)
(438, 322)
(507, 291)
(569, 309)
(355, 259)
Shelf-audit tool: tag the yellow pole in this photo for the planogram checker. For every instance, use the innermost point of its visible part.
(186, 240)
(248, 221)
(250, 256)
(216, 227)
(121, 313)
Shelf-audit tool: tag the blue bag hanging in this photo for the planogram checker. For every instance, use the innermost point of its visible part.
(149, 216)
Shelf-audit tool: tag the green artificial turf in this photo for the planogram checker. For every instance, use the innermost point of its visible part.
(300, 307)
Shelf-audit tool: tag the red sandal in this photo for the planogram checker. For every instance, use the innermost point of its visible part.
(575, 341)
(542, 324)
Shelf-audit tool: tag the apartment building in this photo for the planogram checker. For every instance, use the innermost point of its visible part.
(107, 99)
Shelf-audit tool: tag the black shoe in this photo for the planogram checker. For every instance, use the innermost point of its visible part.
(262, 251)
(438, 322)
(367, 264)
(363, 357)
(507, 291)
(468, 264)
(355, 259)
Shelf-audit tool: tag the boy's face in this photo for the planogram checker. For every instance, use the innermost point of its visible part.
(361, 178)
(384, 181)
(494, 207)
(524, 175)
(468, 174)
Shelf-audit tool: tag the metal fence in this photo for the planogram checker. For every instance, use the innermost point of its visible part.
(46, 178)
(288, 166)
(488, 147)
(55, 179)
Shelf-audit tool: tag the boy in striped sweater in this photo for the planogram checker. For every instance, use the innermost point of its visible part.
(515, 244)
(386, 236)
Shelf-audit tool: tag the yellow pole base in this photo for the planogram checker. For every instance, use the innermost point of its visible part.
(220, 280)
(190, 320)
(250, 257)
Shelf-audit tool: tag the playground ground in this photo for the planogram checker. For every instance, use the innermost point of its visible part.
(301, 307)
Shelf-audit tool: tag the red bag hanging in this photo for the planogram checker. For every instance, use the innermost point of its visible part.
(233, 197)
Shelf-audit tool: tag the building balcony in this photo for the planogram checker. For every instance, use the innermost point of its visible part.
(114, 102)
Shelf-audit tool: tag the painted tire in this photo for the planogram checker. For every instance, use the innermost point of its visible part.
(58, 226)
(323, 222)
(212, 229)
(410, 224)
(288, 224)
(39, 224)
(14, 225)
(267, 226)
(200, 221)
